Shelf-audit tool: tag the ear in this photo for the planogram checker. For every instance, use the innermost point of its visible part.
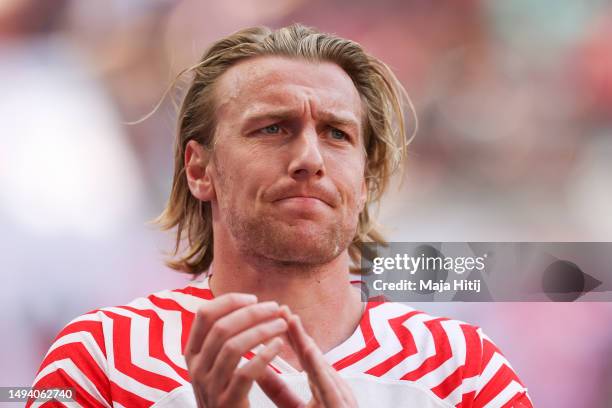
(197, 170)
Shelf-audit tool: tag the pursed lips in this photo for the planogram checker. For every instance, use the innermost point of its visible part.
(305, 197)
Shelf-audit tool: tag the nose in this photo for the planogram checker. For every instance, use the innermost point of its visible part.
(306, 158)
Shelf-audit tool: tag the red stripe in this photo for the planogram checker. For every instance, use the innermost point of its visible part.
(406, 340)
(84, 361)
(500, 380)
(520, 400)
(127, 398)
(467, 400)
(92, 327)
(202, 293)
(123, 356)
(473, 356)
(443, 351)
(488, 350)
(473, 351)
(156, 335)
(449, 384)
(186, 316)
(371, 343)
(61, 379)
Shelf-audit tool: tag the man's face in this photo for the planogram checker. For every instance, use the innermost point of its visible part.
(288, 164)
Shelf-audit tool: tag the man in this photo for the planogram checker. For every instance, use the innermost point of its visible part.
(284, 139)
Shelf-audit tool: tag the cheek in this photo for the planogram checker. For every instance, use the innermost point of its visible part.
(350, 186)
(244, 182)
(227, 179)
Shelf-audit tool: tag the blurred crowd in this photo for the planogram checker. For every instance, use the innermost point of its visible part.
(514, 101)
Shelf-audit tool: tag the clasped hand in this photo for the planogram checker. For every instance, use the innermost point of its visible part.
(229, 326)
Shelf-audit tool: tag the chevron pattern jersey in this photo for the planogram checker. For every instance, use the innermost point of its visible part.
(132, 356)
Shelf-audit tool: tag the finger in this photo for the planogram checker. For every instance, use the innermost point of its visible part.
(329, 394)
(278, 391)
(286, 314)
(293, 334)
(224, 367)
(298, 341)
(243, 378)
(315, 364)
(230, 325)
(345, 391)
(208, 314)
(316, 395)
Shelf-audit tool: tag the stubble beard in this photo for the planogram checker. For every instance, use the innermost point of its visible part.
(276, 240)
(268, 238)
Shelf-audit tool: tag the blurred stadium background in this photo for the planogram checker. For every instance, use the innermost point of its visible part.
(515, 106)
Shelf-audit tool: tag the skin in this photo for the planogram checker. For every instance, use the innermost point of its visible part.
(286, 185)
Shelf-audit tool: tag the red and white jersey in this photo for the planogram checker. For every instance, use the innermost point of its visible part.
(132, 356)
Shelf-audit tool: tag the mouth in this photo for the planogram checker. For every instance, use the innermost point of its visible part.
(303, 200)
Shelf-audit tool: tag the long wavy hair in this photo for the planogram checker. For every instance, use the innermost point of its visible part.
(385, 137)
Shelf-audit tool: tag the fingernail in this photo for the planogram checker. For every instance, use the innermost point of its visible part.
(295, 320)
(279, 323)
(269, 305)
(285, 310)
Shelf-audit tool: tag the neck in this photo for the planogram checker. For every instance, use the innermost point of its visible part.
(329, 307)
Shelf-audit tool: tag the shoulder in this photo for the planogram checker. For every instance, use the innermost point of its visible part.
(165, 303)
(456, 360)
(421, 337)
(130, 353)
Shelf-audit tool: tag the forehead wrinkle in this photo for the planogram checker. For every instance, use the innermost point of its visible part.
(293, 105)
(275, 103)
(242, 81)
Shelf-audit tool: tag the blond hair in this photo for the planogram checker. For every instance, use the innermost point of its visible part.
(384, 135)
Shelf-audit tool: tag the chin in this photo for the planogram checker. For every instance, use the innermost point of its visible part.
(296, 241)
(305, 244)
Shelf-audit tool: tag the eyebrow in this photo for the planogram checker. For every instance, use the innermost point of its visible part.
(285, 114)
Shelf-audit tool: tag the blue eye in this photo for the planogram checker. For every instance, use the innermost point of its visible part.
(338, 134)
(271, 130)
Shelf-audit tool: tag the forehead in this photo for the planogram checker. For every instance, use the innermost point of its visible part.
(258, 84)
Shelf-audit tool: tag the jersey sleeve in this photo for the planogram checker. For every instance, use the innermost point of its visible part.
(76, 360)
(496, 385)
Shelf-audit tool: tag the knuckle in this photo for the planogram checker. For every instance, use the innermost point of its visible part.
(242, 375)
(309, 349)
(202, 312)
(220, 329)
(198, 378)
(201, 379)
(202, 315)
(263, 310)
(262, 331)
(195, 368)
(233, 299)
(230, 347)
(270, 329)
